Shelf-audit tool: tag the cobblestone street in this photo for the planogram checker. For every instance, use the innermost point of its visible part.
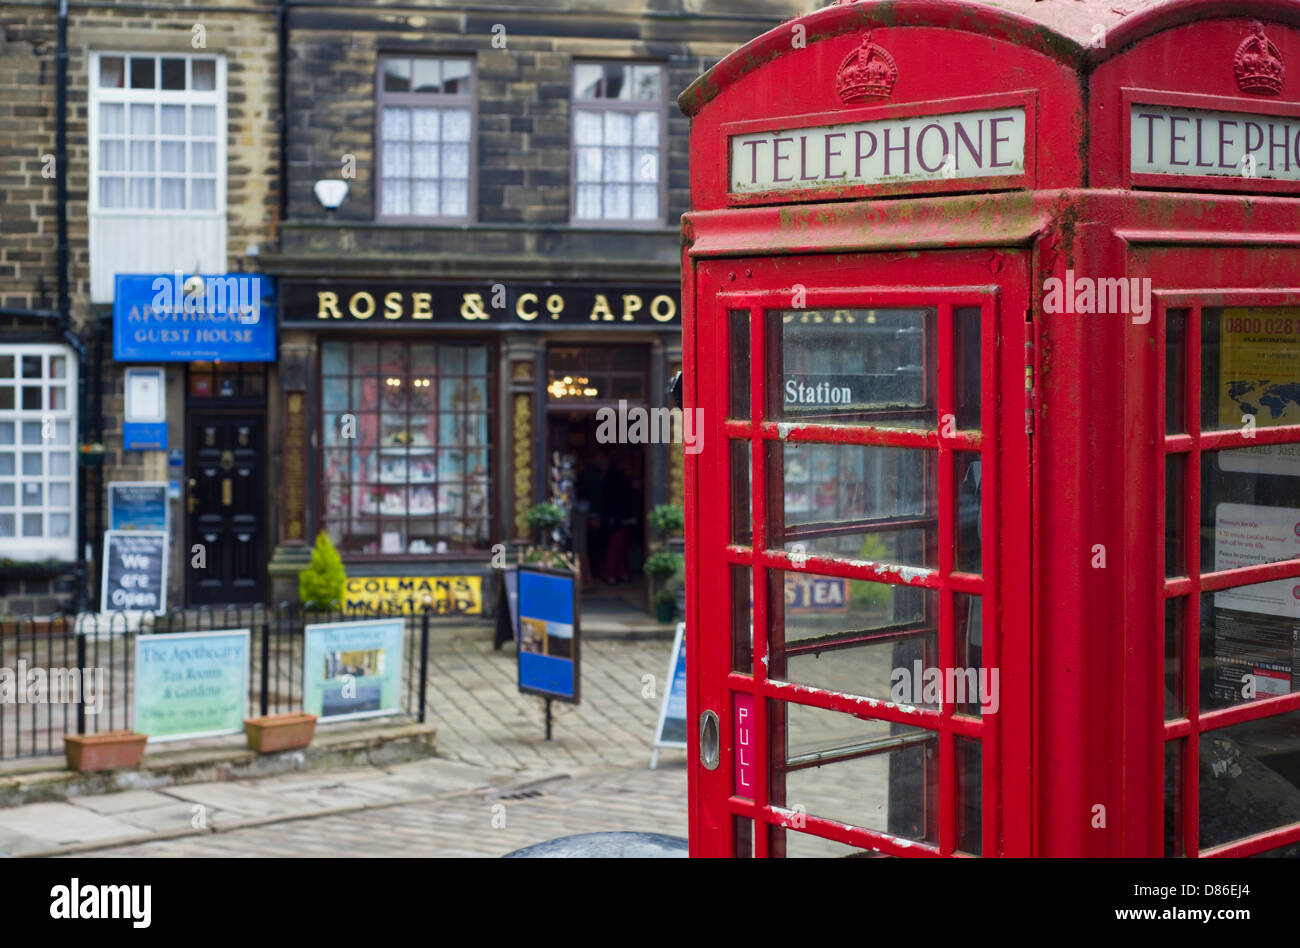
(496, 785)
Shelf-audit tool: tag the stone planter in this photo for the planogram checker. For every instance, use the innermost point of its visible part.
(279, 732)
(110, 750)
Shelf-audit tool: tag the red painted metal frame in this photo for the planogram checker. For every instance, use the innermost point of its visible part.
(1026, 99)
(1193, 722)
(840, 283)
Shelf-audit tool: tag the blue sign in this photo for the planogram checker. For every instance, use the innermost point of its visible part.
(137, 505)
(174, 318)
(548, 634)
(144, 436)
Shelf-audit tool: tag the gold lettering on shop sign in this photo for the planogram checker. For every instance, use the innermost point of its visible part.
(471, 306)
(365, 297)
(422, 306)
(670, 308)
(555, 305)
(631, 304)
(327, 305)
(600, 309)
(393, 305)
(522, 313)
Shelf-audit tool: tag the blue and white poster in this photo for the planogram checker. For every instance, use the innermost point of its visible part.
(353, 669)
(137, 505)
(191, 684)
(670, 731)
(174, 317)
(548, 634)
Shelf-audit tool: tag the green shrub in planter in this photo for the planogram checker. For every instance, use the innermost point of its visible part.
(663, 564)
(667, 519)
(320, 586)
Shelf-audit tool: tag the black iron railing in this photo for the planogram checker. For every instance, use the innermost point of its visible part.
(41, 657)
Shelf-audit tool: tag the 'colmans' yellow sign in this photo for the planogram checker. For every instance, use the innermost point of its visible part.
(445, 595)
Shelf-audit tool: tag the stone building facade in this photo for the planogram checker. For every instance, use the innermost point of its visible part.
(504, 262)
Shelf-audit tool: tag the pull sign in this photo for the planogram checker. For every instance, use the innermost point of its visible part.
(744, 735)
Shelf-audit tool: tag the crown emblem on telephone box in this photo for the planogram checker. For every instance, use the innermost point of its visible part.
(1258, 63)
(866, 73)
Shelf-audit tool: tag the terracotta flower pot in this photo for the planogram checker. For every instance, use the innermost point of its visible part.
(277, 732)
(109, 750)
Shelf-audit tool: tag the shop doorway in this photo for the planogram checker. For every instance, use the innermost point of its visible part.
(602, 482)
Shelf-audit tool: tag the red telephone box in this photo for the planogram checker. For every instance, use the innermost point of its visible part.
(992, 320)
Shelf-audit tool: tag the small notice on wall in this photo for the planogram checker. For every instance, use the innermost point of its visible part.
(1259, 377)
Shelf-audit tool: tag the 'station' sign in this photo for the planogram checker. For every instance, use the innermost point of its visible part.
(443, 595)
(353, 669)
(981, 144)
(135, 572)
(191, 684)
(179, 318)
(330, 305)
(1177, 141)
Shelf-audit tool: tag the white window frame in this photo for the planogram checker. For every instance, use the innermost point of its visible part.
(128, 96)
(658, 105)
(19, 547)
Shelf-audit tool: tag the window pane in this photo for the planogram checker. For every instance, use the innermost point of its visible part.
(142, 155)
(60, 524)
(1250, 508)
(858, 502)
(1249, 643)
(455, 198)
(617, 164)
(1173, 798)
(172, 156)
(970, 528)
(865, 773)
(111, 69)
(455, 76)
(455, 161)
(112, 195)
(589, 164)
(203, 194)
(1174, 657)
(142, 192)
(589, 201)
(618, 201)
(455, 125)
(60, 494)
(1175, 371)
(31, 365)
(6, 462)
(618, 128)
(742, 481)
(424, 199)
(615, 84)
(738, 329)
(424, 125)
(588, 127)
(396, 124)
(172, 193)
(32, 432)
(742, 620)
(645, 129)
(111, 118)
(6, 525)
(204, 75)
(865, 366)
(172, 119)
(60, 462)
(6, 495)
(425, 76)
(142, 119)
(32, 525)
(173, 74)
(1248, 367)
(397, 75)
(855, 637)
(1248, 783)
(142, 72)
(203, 120)
(397, 160)
(969, 761)
(112, 155)
(31, 398)
(646, 82)
(586, 81)
(966, 324)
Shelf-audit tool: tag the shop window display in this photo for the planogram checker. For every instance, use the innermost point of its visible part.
(406, 457)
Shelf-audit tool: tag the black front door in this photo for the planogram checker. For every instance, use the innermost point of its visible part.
(225, 491)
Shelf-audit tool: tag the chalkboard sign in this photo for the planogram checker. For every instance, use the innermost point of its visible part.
(548, 634)
(671, 729)
(135, 572)
(508, 608)
(137, 505)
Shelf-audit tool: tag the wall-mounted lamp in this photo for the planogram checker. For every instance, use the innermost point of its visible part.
(331, 192)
